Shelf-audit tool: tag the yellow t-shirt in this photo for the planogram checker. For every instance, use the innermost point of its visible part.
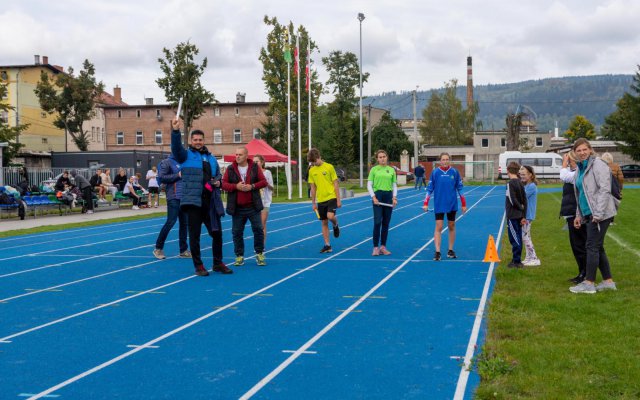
(323, 177)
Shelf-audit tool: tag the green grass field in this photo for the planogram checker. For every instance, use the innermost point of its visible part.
(544, 342)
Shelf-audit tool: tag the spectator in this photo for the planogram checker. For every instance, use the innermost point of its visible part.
(85, 188)
(130, 191)
(170, 176)
(63, 180)
(200, 196)
(23, 187)
(243, 180)
(96, 185)
(596, 209)
(516, 211)
(107, 183)
(568, 206)
(138, 187)
(154, 188)
(266, 193)
(615, 169)
(120, 180)
(528, 177)
(419, 171)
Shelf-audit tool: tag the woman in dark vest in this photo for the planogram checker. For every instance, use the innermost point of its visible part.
(577, 236)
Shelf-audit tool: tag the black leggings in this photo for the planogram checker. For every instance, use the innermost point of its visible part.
(596, 256)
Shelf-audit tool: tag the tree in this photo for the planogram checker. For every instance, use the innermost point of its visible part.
(389, 136)
(344, 77)
(513, 122)
(182, 80)
(623, 125)
(8, 133)
(580, 127)
(274, 76)
(445, 122)
(73, 100)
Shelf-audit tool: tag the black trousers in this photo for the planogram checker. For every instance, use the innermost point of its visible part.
(196, 216)
(596, 256)
(578, 241)
(87, 195)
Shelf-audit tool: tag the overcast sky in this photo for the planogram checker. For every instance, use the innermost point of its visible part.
(405, 42)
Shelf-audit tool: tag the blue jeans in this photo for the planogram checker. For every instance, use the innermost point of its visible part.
(174, 214)
(420, 182)
(239, 220)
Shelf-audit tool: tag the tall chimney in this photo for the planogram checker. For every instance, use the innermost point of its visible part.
(45, 60)
(469, 83)
(117, 93)
(36, 59)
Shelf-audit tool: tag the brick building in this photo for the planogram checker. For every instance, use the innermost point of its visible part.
(148, 127)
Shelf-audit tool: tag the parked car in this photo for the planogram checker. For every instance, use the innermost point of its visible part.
(409, 175)
(630, 170)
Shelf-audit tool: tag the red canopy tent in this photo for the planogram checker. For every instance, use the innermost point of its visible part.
(259, 146)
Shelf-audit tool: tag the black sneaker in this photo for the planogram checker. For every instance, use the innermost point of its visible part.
(451, 254)
(437, 256)
(326, 249)
(578, 279)
(336, 231)
(222, 268)
(515, 265)
(201, 270)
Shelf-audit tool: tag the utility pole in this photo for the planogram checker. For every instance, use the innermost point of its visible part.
(415, 129)
(369, 136)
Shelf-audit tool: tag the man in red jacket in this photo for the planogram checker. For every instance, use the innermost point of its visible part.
(243, 181)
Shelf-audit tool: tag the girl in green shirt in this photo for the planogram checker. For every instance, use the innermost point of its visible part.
(383, 191)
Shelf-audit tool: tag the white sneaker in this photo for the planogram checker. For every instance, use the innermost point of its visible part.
(89, 211)
(532, 263)
(606, 286)
(135, 208)
(156, 205)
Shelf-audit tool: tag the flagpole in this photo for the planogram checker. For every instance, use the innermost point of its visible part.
(299, 118)
(288, 125)
(309, 85)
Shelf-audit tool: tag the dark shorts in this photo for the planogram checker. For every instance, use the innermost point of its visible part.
(451, 216)
(154, 190)
(329, 206)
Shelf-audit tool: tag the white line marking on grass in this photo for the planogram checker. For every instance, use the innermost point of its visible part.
(622, 243)
(264, 381)
(206, 316)
(461, 387)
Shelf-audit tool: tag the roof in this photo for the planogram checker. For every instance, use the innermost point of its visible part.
(107, 99)
(54, 68)
(259, 146)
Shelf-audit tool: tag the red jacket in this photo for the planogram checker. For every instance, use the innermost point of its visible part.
(232, 177)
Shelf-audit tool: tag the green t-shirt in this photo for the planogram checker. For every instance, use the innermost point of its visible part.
(382, 178)
(323, 177)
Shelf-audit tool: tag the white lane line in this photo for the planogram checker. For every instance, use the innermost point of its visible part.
(116, 302)
(622, 243)
(463, 378)
(264, 381)
(202, 318)
(135, 346)
(306, 352)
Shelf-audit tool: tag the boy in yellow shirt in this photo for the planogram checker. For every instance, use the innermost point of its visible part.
(324, 189)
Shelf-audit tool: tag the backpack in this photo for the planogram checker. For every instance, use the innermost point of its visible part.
(615, 188)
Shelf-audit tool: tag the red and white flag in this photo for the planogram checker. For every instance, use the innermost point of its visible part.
(308, 68)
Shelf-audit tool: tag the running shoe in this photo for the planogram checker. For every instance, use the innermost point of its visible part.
(239, 261)
(222, 268)
(583, 287)
(159, 254)
(384, 251)
(437, 256)
(201, 271)
(376, 251)
(326, 249)
(185, 254)
(451, 254)
(336, 231)
(606, 286)
(261, 259)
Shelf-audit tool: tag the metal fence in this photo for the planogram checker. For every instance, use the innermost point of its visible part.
(11, 176)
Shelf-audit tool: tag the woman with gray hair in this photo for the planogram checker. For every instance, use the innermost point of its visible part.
(615, 169)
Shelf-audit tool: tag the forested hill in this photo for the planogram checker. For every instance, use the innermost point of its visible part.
(552, 99)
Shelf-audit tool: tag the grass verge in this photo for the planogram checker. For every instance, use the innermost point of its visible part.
(544, 342)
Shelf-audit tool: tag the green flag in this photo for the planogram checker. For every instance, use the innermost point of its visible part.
(287, 47)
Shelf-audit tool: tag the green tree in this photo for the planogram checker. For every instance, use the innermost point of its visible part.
(8, 134)
(344, 77)
(182, 80)
(274, 76)
(389, 136)
(445, 122)
(623, 125)
(73, 100)
(580, 127)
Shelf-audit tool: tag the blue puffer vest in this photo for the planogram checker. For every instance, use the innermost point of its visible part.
(192, 175)
(168, 170)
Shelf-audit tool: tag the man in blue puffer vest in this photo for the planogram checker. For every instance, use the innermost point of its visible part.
(200, 196)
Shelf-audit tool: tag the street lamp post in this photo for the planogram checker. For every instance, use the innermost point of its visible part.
(361, 18)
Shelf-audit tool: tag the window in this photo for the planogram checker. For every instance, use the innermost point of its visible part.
(538, 142)
(158, 137)
(485, 142)
(256, 133)
(237, 136)
(139, 138)
(45, 140)
(43, 114)
(138, 113)
(119, 113)
(120, 138)
(4, 117)
(217, 136)
(102, 136)
(3, 75)
(544, 162)
(158, 114)
(216, 111)
(93, 133)
(503, 142)
(237, 111)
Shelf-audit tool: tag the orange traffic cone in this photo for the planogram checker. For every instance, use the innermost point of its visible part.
(491, 254)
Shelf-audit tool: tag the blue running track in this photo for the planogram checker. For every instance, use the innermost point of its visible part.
(88, 313)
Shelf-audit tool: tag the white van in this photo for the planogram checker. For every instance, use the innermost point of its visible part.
(545, 165)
